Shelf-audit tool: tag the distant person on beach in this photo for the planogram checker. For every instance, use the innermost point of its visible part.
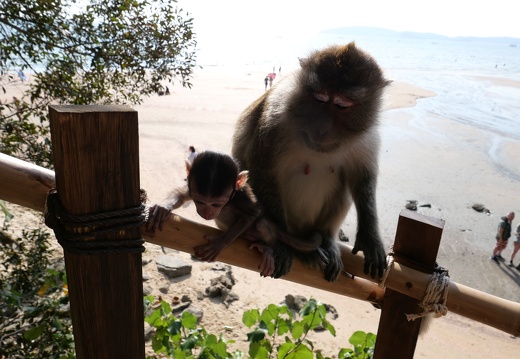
(21, 75)
(193, 153)
(271, 76)
(266, 81)
(167, 92)
(503, 234)
(189, 160)
(516, 247)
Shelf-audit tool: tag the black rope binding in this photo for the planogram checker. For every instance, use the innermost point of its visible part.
(77, 233)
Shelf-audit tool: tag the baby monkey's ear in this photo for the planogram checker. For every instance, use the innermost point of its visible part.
(242, 179)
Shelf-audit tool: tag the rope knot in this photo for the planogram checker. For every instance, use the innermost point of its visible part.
(77, 233)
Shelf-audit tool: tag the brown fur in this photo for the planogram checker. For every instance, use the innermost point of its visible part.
(309, 156)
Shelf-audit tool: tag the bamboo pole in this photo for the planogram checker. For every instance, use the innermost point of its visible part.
(470, 303)
(24, 183)
(96, 156)
(182, 234)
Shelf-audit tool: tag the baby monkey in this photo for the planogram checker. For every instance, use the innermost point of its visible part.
(222, 193)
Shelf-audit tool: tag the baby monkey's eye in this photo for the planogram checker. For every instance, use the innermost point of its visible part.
(343, 102)
(321, 96)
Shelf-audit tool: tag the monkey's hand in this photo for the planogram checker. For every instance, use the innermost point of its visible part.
(157, 214)
(375, 256)
(283, 260)
(330, 255)
(209, 251)
(266, 266)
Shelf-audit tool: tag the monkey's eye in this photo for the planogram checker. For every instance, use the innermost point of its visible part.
(321, 96)
(342, 102)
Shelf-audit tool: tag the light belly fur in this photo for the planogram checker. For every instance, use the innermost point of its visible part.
(305, 192)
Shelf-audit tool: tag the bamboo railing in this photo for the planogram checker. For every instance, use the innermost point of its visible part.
(27, 185)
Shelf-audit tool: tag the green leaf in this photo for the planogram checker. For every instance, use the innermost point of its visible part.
(189, 343)
(284, 326)
(256, 335)
(357, 338)
(34, 333)
(174, 327)
(250, 317)
(189, 320)
(149, 299)
(258, 351)
(297, 330)
(220, 350)
(269, 314)
(157, 345)
(153, 318)
(327, 326)
(308, 308)
(7, 215)
(165, 308)
(345, 353)
(292, 351)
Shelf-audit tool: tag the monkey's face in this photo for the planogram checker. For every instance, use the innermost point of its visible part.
(339, 96)
(209, 207)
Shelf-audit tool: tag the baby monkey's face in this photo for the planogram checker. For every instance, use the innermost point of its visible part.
(209, 207)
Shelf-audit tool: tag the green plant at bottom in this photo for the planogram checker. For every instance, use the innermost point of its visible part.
(364, 345)
(277, 321)
(180, 337)
(277, 334)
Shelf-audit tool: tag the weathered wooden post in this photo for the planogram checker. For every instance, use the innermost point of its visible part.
(96, 157)
(416, 245)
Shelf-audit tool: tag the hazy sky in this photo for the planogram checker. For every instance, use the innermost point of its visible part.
(241, 18)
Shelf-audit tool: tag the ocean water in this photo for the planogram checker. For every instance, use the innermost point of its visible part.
(455, 70)
(460, 73)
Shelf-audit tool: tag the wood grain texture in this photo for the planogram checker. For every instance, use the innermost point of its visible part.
(96, 157)
(416, 243)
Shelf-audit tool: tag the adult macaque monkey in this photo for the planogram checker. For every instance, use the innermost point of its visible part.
(221, 193)
(311, 146)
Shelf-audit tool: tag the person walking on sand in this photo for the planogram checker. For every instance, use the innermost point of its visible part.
(189, 160)
(192, 155)
(516, 247)
(21, 75)
(503, 234)
(266, 81)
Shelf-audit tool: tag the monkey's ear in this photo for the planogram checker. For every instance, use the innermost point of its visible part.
(242, 179)
(188, 166)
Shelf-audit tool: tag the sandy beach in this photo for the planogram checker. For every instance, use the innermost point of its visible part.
(433, 160)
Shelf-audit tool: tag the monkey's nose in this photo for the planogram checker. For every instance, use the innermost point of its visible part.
(207, 216)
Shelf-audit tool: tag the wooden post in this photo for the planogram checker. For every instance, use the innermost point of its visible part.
(96, 156)
(416, 245)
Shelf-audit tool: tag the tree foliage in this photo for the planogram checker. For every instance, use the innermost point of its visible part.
(85, 52)
(34, 312)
